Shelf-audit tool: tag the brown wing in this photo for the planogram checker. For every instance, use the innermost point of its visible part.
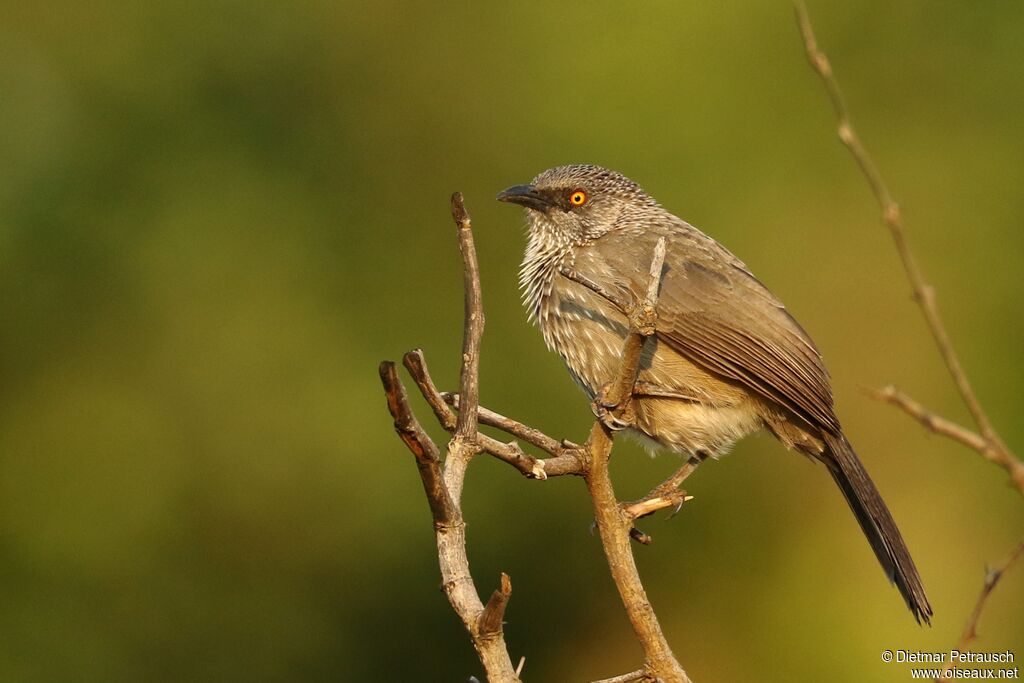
(714, 311)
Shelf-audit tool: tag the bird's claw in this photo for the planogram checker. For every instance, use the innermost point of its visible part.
(614, 417)
(609, 418)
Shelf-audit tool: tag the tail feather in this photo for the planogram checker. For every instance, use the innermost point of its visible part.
(877, 524)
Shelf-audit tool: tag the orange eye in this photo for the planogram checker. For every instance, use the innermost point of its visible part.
(578, 198)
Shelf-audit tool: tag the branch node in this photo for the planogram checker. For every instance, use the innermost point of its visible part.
(845, 133)
(493, 616)
(892, 214)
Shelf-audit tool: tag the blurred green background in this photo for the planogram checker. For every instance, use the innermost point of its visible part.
(217, 218)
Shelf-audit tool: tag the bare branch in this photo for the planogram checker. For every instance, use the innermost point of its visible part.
(931, 421)
(419, 442)
(988, 443)
(416, 363)
(470, 376)
(924, 293)
(950, 429)
(517, 429)
(511, 453)
(450, 530)
(654, 285)
(580, 279)
(568, 457)
(443, 484)
(992, 577)
(640, 676)
(614, 525)
(642, 318)
(651, 504)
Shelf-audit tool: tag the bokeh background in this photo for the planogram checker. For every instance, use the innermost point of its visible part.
(217, 218)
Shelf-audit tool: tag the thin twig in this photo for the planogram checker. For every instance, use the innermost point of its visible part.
(988, 443)
(416, 363)
(517, 429)
(443, 483)
(924, 293)
(640, 675)
(567, 458)
(449, 528)
(458, 583)
(474, 315)
(992, 577)
(580, 279)
(614, 525)
(952, 430)
(511, 453)
(419, 443)
(931, 421)
(651, 504)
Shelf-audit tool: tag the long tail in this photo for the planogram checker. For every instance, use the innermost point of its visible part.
(877, 523)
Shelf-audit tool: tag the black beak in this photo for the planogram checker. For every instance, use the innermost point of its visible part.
(525, 195)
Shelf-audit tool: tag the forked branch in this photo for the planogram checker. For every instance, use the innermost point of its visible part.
(987, 443)
(992, 577)
(460, 414)
(614, 523)
(924, 293)
(443, 481)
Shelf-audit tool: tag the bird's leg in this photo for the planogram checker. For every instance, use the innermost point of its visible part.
(667, 494)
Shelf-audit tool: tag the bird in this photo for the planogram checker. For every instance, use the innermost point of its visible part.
(726, 358)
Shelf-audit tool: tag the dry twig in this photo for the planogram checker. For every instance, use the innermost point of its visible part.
(567, 457)
(992, 446)
(948, 428)
(460, 414)
(992, 577)
(638, 676)
(510, 453)
(613, 522)
(988, 443)
(443, 481)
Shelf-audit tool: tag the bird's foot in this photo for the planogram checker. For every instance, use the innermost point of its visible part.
(657, 500)
(613, 416)
(609, 418)
(643, 318)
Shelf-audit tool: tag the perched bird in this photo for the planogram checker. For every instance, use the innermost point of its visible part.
(726, 359)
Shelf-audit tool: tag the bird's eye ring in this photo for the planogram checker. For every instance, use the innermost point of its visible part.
(578, 198)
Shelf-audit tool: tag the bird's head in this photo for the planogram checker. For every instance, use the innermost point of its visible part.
(571, 205)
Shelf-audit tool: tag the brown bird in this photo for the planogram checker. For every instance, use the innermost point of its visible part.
(727, 358)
